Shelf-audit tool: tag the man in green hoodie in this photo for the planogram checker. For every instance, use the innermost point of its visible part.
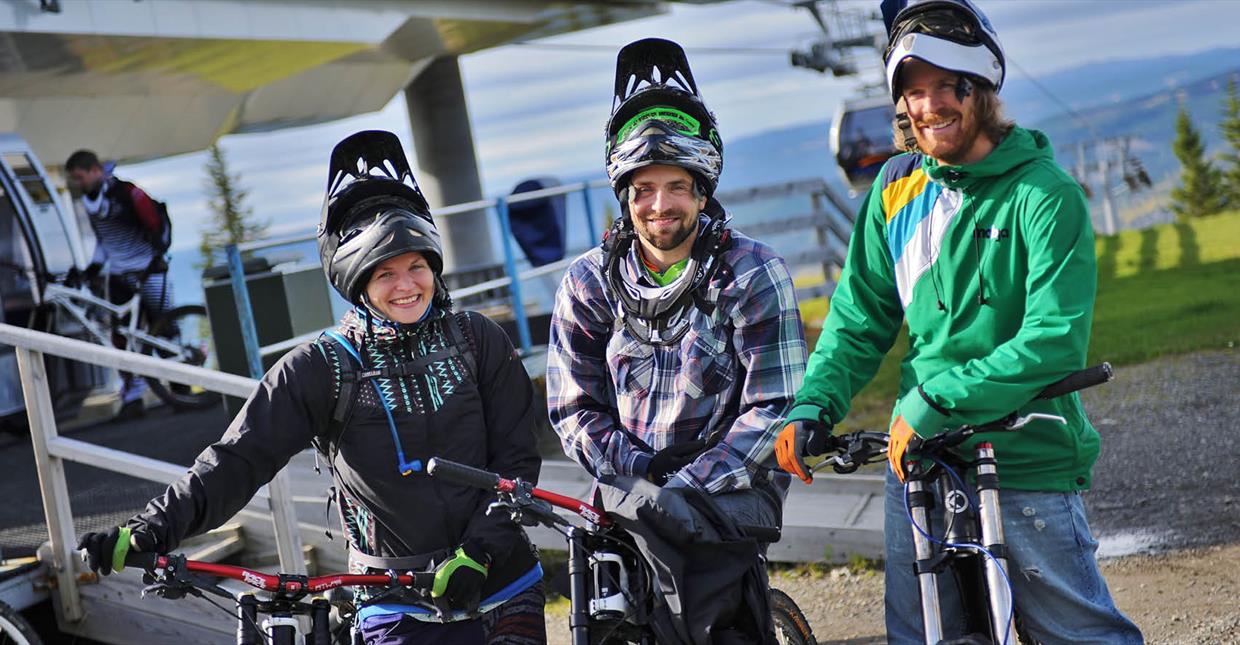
(983, 245)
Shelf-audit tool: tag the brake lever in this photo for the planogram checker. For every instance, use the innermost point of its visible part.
(1021, 422)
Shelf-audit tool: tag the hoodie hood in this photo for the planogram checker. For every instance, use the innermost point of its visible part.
(1018, 148)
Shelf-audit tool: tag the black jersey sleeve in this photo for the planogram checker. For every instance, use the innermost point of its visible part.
(510, 412)
(290, 405)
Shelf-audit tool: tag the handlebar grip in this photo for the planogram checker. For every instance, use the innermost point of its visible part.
(768, 534)
(1088, 377)
(462, 474)
(141, 560)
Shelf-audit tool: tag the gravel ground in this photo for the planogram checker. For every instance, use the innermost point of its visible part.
(1166, 497)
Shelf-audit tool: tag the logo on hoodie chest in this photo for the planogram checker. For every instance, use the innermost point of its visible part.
(991, 233)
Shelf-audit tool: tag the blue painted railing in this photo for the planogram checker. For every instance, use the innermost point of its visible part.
(512, 276)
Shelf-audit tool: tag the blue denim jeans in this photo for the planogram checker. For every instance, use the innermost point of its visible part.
(1060, 594)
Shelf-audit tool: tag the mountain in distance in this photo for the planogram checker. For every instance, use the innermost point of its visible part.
(1113, 81)
(1120, 98)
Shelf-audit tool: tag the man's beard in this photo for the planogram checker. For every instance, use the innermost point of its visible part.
(951, 152)
(688, 225)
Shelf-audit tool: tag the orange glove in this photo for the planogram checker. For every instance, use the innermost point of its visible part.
(798, 440)
(901, 434)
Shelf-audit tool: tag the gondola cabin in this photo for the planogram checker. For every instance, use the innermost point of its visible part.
(861, 139)
(38, 238)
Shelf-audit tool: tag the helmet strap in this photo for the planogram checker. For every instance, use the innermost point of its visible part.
(964, 87)
(904, 126)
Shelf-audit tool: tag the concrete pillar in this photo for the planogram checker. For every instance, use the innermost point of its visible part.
(448, 167)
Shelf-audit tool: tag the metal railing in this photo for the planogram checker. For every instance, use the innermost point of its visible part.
(830, 217)
(512, 279)
(52, 450)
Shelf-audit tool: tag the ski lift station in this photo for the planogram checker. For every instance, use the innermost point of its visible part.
(142, 80)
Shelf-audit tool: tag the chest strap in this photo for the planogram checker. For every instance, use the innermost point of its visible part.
(419, 562)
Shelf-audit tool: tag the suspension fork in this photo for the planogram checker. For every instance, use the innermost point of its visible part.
(991, 518)
(967, 565)
(578, 579)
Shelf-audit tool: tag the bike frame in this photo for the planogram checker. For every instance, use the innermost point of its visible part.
(77, 303)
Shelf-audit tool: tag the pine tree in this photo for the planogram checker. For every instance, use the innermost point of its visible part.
(1230, 127)
(1200, 191)
(232, 222)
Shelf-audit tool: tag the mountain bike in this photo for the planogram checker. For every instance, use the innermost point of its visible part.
(972, 547)
(181, 334)
(174, 577)
(611, 584)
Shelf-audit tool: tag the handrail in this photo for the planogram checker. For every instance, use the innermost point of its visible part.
(836, 223)
(446, 211)
(52, 450)
(122, 360)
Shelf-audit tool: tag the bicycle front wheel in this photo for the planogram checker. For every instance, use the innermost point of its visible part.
(14, 629)
(188, 327)
(791, 626)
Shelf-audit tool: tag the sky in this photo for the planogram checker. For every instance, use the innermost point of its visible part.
(539, 109)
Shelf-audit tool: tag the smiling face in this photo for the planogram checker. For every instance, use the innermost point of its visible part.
(664, 209)
(401, 288)
(947, 128)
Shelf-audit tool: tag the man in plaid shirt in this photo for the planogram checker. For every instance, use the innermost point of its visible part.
(676, 347)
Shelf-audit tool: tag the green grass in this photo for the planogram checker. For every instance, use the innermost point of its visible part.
(1165, 290)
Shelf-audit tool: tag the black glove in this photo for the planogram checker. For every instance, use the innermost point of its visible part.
(73, 278)
(158, 265)
(105, 552)
(670, 460)
(92, 271)
(459, 579)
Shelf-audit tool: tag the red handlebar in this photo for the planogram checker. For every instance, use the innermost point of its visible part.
(478, 478)
(294, 585)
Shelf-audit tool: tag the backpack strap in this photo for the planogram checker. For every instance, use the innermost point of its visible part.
(349, 376)
(461, 342)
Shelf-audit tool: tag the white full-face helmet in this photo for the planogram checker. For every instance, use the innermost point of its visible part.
(950, 34)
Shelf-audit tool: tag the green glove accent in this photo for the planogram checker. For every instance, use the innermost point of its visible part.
(445, 571)
(121, 549)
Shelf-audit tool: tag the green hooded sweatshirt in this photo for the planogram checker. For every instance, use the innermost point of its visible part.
(992, 265)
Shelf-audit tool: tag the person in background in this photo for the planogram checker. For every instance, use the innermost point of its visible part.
(128, 230)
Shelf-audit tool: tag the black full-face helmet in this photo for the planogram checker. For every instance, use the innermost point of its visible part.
(951, 34)
(373, 211)
(658, 117)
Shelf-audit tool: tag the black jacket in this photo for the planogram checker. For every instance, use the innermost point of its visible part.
(440, 412)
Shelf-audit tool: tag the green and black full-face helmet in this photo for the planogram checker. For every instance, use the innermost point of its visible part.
(374, 211)
(658, 117)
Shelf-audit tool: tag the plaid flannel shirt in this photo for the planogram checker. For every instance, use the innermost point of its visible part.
(736, 370)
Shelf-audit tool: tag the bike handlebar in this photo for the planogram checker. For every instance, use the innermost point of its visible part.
(1079, 380)
(469, 476)
(855, 449)
(291, 585)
